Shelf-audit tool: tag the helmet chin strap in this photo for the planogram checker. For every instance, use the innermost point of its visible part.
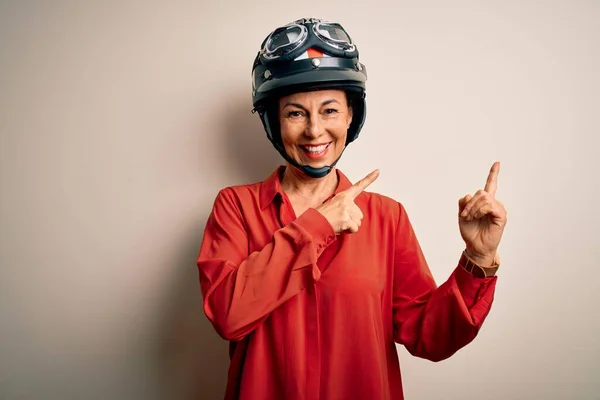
(307, 169)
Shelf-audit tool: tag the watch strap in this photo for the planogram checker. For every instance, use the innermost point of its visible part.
(477, 270)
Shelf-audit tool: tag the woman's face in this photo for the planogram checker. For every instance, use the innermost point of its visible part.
(314, 126)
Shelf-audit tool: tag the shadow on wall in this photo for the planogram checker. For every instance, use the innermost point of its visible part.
(194, 360)
(252, 156)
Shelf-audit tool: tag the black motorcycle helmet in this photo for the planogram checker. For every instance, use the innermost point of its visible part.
(307, 54)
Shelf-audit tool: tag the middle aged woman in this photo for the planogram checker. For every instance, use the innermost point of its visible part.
(311, 278)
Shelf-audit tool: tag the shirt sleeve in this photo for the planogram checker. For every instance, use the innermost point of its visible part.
(240, 289)
(434, 322)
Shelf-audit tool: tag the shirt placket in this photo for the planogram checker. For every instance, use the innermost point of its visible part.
(312, 340)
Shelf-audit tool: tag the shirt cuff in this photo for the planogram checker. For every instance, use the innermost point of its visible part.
(318, 228)
(471, 288)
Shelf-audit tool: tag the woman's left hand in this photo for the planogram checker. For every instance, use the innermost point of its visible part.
(481, 220)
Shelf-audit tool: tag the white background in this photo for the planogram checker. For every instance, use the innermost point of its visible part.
(120, 121)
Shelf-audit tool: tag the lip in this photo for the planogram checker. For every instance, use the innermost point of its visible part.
(315, 156)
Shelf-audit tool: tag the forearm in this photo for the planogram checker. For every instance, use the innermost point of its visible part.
(448, 318)
(239, 296)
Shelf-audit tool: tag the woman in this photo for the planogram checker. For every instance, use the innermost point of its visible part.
(312, 279)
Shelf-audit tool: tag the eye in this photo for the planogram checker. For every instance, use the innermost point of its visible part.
(331, 111)
(295, 114)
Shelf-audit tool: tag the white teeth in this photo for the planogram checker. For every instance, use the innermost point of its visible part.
(316, 149)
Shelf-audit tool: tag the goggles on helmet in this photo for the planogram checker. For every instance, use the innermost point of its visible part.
(292, 40)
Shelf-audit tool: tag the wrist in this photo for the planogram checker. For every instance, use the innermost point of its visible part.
(483, 260)
(477, 268)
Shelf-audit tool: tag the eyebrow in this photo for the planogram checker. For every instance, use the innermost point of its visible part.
(326, 102)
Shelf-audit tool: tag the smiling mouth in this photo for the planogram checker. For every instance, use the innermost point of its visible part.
(314, 150)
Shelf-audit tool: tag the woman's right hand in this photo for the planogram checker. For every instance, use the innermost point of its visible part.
(341, 211)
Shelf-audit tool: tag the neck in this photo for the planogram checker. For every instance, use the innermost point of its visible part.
(295, 182)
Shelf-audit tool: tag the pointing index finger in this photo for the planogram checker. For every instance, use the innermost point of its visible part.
(492, 179)
(361, 185)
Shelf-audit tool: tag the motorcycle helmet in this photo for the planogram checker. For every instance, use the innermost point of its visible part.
(305, 55)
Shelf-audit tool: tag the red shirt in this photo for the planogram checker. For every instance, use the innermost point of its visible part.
(311, 315)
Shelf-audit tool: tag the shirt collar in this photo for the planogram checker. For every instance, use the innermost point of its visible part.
(271, 187)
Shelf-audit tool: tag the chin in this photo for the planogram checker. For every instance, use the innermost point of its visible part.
(325, 161)
(317, 164)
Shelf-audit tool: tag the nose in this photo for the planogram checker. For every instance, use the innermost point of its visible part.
(314, 126)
